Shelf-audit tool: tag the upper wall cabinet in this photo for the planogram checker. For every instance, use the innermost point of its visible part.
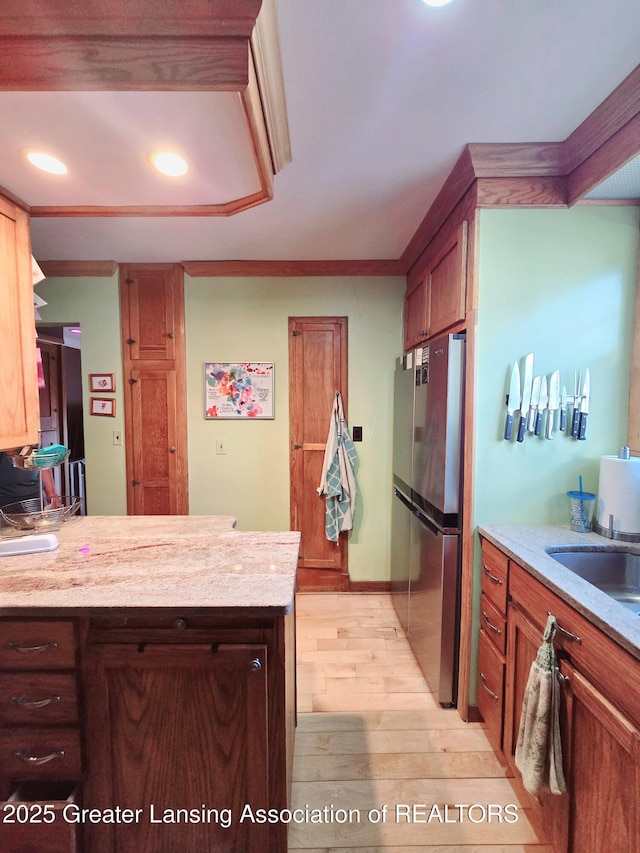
(436, 301)
(19, 406)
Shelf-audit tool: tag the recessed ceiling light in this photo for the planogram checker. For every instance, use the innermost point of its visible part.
(436, 2)
(169, 164)
(47, 162)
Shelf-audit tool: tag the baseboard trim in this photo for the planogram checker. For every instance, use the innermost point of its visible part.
(369, 586)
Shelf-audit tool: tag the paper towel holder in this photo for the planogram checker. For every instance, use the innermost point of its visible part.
(609, 532)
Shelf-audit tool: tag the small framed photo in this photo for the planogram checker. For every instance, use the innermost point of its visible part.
(103, 406)
(103, 382)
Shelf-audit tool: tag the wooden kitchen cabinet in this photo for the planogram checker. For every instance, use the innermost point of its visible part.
(19, 407)
(175, 727)
(436, 299)
(599, 717)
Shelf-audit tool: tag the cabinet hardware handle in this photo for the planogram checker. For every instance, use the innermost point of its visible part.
(180, 624)
(255, 665)
(297, 446)
(170, 335)
(562, 678)
(172, 449)
(492, 577)
(573, 637)
(39, 703)
(489, 625)
(31, 650)
(37, 760)
(484, 684)
(130, 341)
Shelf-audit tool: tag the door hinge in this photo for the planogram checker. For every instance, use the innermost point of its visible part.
(128, 281)
(135, 482)
(131, 381)
(130, 341)
(295, 333)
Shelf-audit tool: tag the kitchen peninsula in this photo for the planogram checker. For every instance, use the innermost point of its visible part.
(147, 670)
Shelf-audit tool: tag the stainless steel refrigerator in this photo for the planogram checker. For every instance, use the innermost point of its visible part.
(427, 481)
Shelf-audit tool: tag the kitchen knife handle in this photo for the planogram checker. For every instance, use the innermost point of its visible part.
(574, 422)
(550, 419)
(508, 427)
(538, 422)
(563, 420)
(582, 429)
(522, 425)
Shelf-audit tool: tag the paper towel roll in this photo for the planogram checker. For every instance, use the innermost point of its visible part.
(619, 494)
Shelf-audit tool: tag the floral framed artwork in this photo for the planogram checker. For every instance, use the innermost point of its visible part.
(238, 390)
(105, 406)
(105, 383)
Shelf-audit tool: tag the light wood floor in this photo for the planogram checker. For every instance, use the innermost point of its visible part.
(370, 735)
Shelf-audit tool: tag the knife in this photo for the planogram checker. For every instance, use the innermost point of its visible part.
(584, 407)
(554, 401)
(513, 400)
(563, 409)
(542, 405)
(576, 410)
(527, 384)
(535, 399)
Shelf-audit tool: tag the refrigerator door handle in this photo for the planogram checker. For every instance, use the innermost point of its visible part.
(425, 521)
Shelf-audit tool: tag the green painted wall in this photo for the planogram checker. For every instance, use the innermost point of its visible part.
(560, 283)
(246, 319)
(92, 303)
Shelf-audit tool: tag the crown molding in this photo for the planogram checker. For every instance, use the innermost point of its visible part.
(230, 269)
(74, 269)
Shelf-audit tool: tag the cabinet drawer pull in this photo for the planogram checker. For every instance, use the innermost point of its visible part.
(487, 622)
(484, 685)
(573, 637)
(37, 760)
(31, 650)
(255, 665)
(492, 577)
(39, 703)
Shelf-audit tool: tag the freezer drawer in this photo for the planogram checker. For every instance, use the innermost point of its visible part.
(433, 606)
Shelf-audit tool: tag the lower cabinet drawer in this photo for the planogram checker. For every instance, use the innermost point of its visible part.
(36, 819)
(491, 669)
(39, 753)
(38, 698)
(493, 623)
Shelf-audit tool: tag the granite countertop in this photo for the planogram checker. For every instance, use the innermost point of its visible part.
(528, 545)
(123, 562)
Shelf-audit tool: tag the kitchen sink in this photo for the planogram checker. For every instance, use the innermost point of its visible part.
(614, 571)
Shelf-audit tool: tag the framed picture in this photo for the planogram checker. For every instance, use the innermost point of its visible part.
(103, 406)
(103, 382)
(240, 389)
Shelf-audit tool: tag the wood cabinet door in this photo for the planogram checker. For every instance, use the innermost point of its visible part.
(19, 411)
(317, 369)
(155, 485)
(604, 780)
(152, 313)
(416, 314)
(178, 727)
(523, 641)
(446, 283)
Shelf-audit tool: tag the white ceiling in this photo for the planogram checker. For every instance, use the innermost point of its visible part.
(382, 95)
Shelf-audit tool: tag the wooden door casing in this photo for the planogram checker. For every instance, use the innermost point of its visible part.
(317, 370)
(152, 313)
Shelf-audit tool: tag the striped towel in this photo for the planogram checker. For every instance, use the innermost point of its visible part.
(337, 482)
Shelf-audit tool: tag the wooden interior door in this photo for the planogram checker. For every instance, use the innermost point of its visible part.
(317, 370)
(51, 407)
(152, 312)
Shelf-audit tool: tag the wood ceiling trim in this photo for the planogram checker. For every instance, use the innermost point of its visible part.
(254, 118)
(507, 160)
(265, 47)
(123, 64)
(129, 17)
(231, 269)
(534, 191)
(73, 269)
(93, 211)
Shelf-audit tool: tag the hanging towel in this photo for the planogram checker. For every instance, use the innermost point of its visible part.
(539, 749)
(338, 482)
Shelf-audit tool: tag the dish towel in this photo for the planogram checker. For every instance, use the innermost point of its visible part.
(539, 749)
(338, 482)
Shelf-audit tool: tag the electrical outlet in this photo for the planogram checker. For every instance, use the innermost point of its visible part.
(117, 438)
(221, 447)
